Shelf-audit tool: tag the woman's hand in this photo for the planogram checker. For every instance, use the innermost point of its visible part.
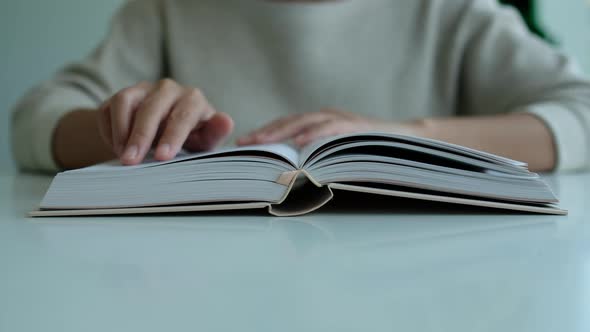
(307, 127)
(164, 115)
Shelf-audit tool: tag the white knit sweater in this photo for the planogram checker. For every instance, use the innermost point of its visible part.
(258, 60)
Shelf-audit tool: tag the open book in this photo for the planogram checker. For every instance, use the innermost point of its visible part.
(289, 182)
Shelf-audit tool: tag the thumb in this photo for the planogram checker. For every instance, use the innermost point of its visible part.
(210, 133)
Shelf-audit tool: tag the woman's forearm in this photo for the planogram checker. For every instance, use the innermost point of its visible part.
(77, 142)
(517, 136)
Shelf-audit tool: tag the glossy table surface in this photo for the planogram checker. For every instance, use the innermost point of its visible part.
(400, 267)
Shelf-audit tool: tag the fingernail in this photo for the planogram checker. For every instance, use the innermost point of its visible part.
(131, 152)
(163, 150)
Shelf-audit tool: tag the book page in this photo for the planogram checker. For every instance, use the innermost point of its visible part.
(284, 151)
(329, 143)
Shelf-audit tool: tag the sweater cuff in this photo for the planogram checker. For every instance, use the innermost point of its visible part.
(569, 135)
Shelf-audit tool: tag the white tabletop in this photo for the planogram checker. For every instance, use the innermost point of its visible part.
(406, 267)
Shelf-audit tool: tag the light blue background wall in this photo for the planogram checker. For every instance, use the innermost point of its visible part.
(36, 37)
(569, 22)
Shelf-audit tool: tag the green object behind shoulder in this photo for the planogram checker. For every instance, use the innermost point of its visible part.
(528, 10)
